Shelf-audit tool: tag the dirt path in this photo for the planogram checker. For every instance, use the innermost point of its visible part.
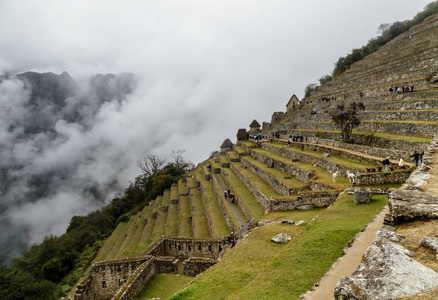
(348, 263)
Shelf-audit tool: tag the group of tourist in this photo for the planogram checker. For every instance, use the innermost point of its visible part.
(404, 89)
(325, 99)
(418, 157)
(258, 137)
(229, 195)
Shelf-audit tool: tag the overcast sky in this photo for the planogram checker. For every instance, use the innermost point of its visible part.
(206, 69)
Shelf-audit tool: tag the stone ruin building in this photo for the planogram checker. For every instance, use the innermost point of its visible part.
(125, 278)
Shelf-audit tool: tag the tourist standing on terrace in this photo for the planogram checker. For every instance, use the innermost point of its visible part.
(386, 163)
(417, 156)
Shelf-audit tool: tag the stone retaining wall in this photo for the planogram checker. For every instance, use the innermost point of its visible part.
(259, 196)
(137, 282)
(228, 215)
(382, 177)
(274, 182)
(301, 156)
(298, 173)
(322, 199)
(240, 203)
(195, 266)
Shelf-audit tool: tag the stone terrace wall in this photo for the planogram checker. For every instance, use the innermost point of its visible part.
(240, 203)
(195, 266)
(106, 278)
(298, 173)
(276, 184)
(185, 247)
(380, 147)
(382, 177)
(259, 196)
(84, 290)
(165, 265)
(137, 282)
(322, 199)
(330, 166)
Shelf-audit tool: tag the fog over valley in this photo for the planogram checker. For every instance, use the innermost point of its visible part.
(88, 88)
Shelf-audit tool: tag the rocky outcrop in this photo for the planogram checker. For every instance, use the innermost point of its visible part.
(387, 271)
(408, 205)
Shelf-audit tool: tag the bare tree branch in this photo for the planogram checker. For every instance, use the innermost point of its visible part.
(150, 164)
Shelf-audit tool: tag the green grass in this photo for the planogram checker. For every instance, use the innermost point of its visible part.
(240, 150)
(249, 144)
(163, 286)
(232, 155)
(199, 219)
(333, 159)
(323, 175)
(174, 192)
(218, 223)
(160, 223)
(182, 188)
(172, 221)
(291, 182)
(215, 165)
(257, 182)
(166, 197)
(244, 195)
(259, 269)
(223, 159)
(185, 224)
(145, 238)
(216, 185)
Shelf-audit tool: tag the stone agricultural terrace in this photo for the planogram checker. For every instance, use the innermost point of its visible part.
(251, 185)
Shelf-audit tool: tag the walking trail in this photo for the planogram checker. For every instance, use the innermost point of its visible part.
(346, 264)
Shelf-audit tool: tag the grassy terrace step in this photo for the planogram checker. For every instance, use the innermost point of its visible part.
(259, 269)
(160, 223)
(259, 183)
(174, 193)
(246, 200)
(206, 172)
(240, 151)
(224, 161)
(172, 221)
(336, 160)
(323, 176)
(134, 236)
(166, 197)
(145, 239)
(233, 156)
(199, 219)
(235, 216)
(386, 135)
(293, 183)
(182, 188)
(218, 225)
(111, 243)
(185, 223)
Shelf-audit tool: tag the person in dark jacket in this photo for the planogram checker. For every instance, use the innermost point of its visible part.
(386, 163)
(417, 156)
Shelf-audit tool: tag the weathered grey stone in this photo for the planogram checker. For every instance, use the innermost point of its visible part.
(363, 196)
(411, 204)
(386, 272)
(430, 243)
(325, 155)
(281, 238)
(305, 207)
(300, 223)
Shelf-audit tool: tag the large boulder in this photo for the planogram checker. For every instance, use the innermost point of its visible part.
(281, 238)
(407, 205)
(387, 271)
